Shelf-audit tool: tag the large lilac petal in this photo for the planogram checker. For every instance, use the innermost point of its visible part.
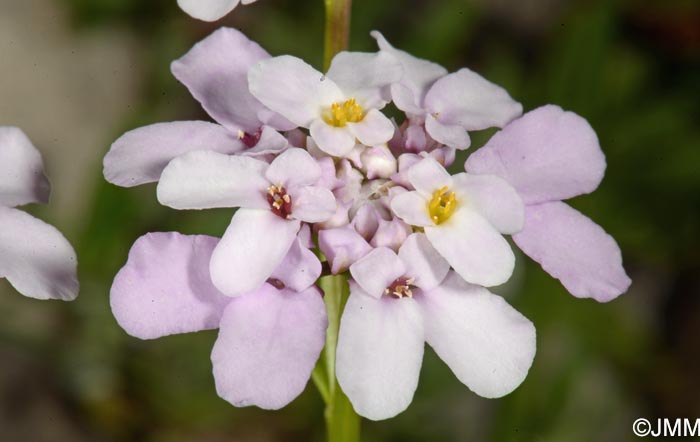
(547, 155)
(254, 244)
(488, 344)
(35, 258)
(380, 352)
(575, 250)
(467, 99)
(423, 262)
(215, 71)
(493, 198)
(376, 271)
(140, 155)
(22, 178)
(268, 344)
(473, 247)
(300, 268)
(207, 10)
(165, 288)
(205, 180)
(293, 88)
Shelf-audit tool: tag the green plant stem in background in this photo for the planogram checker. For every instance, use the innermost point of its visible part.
(342, 423)
(337, 29)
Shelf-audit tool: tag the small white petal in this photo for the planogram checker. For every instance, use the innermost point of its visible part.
(428, 175)
(294, 168)
(493, 198)
(423, 262)
(449, 134)
(313, 204)
(292, 88)
(473, 247)
(412, 208)
(374, 129)
(467, 99)
(377, 270)
(364, 76)
(336, 141)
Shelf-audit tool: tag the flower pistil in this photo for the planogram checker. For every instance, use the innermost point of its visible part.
(442, 205)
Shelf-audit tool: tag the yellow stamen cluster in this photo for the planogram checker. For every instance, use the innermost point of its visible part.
(401, 288)
(442, 205)
(341, 114)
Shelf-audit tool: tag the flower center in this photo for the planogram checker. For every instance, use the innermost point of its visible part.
(250, 140)
(280, 201)
(400, 288)
(339, 114)
(442, 205)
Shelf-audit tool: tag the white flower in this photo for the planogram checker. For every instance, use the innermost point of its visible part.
(463, 217)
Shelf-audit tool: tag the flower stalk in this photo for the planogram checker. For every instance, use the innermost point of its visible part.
(342, 423)
(337, 29)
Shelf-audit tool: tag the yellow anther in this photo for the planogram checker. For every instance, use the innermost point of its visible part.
(442, 205)
(241, 134)
(340, 114)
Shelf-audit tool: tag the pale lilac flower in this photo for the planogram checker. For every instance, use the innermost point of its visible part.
(338, 107)
(215, 71)
(274, 199)
(398, 302)
(549, 155)
(463, 217)
(269, 339)
(448, 104)
(210, 10)
(34, 257)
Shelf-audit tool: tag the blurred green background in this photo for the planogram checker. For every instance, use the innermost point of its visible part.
(76, 74)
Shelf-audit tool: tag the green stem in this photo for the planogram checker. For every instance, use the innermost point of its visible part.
(337, 29)
(342, 423)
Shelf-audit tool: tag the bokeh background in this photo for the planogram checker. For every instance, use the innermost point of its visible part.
(76, 74)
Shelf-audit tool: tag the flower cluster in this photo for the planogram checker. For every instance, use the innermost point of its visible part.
(34, 257)
(311, 161)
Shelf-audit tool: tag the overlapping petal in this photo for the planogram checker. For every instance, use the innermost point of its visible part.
(254, 244)
(474, 248)
(205, 180)
(140, 155)
(268, 344)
